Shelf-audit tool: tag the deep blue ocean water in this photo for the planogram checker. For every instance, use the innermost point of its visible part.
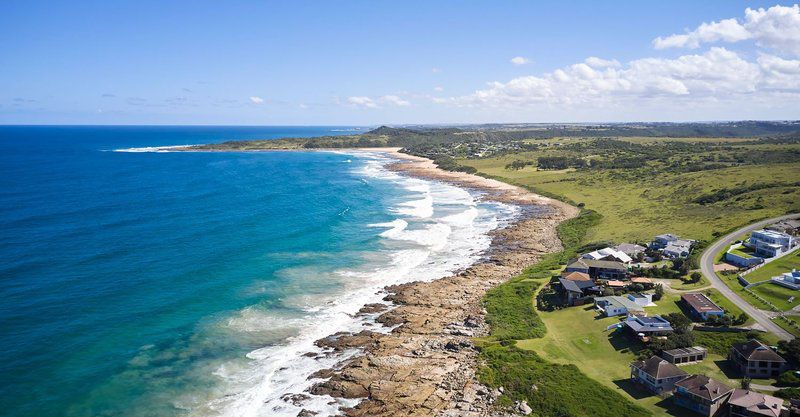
(160, 284)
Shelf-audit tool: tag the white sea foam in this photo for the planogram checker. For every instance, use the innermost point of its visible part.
(439, 229)
(151, 149)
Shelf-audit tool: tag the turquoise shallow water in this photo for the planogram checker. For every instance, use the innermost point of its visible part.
(159, 284)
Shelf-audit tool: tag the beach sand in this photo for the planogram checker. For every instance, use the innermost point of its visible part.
(426, 365)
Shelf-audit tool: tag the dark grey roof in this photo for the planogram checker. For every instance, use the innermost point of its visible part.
(576, 286)
(630, 248)
(704, 387)
(754, 350)
(686, 351)
(659, 368)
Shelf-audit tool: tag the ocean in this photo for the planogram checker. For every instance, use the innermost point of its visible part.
(139, 283)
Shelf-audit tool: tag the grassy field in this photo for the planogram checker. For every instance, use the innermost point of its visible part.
(637, 207)
(777, 295)
(776, 267)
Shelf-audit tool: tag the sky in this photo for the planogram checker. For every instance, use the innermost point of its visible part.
(396, 62)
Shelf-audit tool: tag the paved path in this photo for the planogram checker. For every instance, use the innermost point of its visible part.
(760, 387)
(707, 266)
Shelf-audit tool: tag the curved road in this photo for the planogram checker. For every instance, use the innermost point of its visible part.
(707, 266)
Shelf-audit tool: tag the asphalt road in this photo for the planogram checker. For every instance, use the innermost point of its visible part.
(707, 266)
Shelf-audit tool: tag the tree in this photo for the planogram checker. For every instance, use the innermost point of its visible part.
(659, 292)
(695, 277)
(791, 350)
(679, 322)
(746, 382)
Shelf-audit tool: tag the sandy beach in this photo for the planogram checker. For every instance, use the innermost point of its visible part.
(426, 365)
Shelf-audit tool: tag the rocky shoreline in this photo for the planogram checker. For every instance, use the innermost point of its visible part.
(426, 365)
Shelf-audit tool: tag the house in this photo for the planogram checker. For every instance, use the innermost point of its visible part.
(768, 243)
(608, 254)
(615, 284)
(656, 374)
(685, 355)
(576, 292)
(616, 305)
(678, 248)
(788, 279)
(642, 280)
(641, 299)
(701, 394)
(598, 269)
(576, 276)
(701, 306)
(744, 403)
(736, 256)
(661, 241)
(648, 326)
(631, 249)
(756, 360)
(790, 227)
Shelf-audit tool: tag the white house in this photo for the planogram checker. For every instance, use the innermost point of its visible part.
(616, 305)
(608, 254)
(788, 279)
(769, 243)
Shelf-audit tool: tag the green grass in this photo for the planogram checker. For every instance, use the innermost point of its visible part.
(719, 343)
(577, 336)
(776, 267)
(551, 389)
(777, 295)
(637, 207)
(742, 253)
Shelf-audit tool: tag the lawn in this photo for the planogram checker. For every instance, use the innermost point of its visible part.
(776, 267)
(777, 295)
(577, 335)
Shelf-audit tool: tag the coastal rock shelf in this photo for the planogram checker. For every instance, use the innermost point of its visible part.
(426, 365)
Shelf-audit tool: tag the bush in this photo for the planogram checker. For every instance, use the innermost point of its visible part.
(550, 389)
(789, 379)
(788, 393)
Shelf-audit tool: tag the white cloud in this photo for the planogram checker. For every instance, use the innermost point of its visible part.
(394, 100)
(438, 89)
(718, 74)
(436, 70)
(256, 100)
(362, 101)
(596, 62)
(777, 28)
(520, 60)
(374, 103)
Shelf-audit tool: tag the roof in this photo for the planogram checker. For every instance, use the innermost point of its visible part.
(578, 263)
(618, 301)
(605, 252)
(615, 283)
(576, 276)
(756, 403)
(667, 236)
(658, 368)
(770, 233)
(700, 302)
(754, 350)
(576, 286)
(704, 387)
(630, 248)
(678, 246)
(641, 280)
(592, 263)
(694, 350)
(645, 324)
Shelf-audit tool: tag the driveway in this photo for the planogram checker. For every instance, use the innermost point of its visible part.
(707, 266)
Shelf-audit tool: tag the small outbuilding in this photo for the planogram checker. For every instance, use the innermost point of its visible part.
(681, 356)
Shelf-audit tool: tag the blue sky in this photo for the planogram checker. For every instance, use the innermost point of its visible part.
(372, 62)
